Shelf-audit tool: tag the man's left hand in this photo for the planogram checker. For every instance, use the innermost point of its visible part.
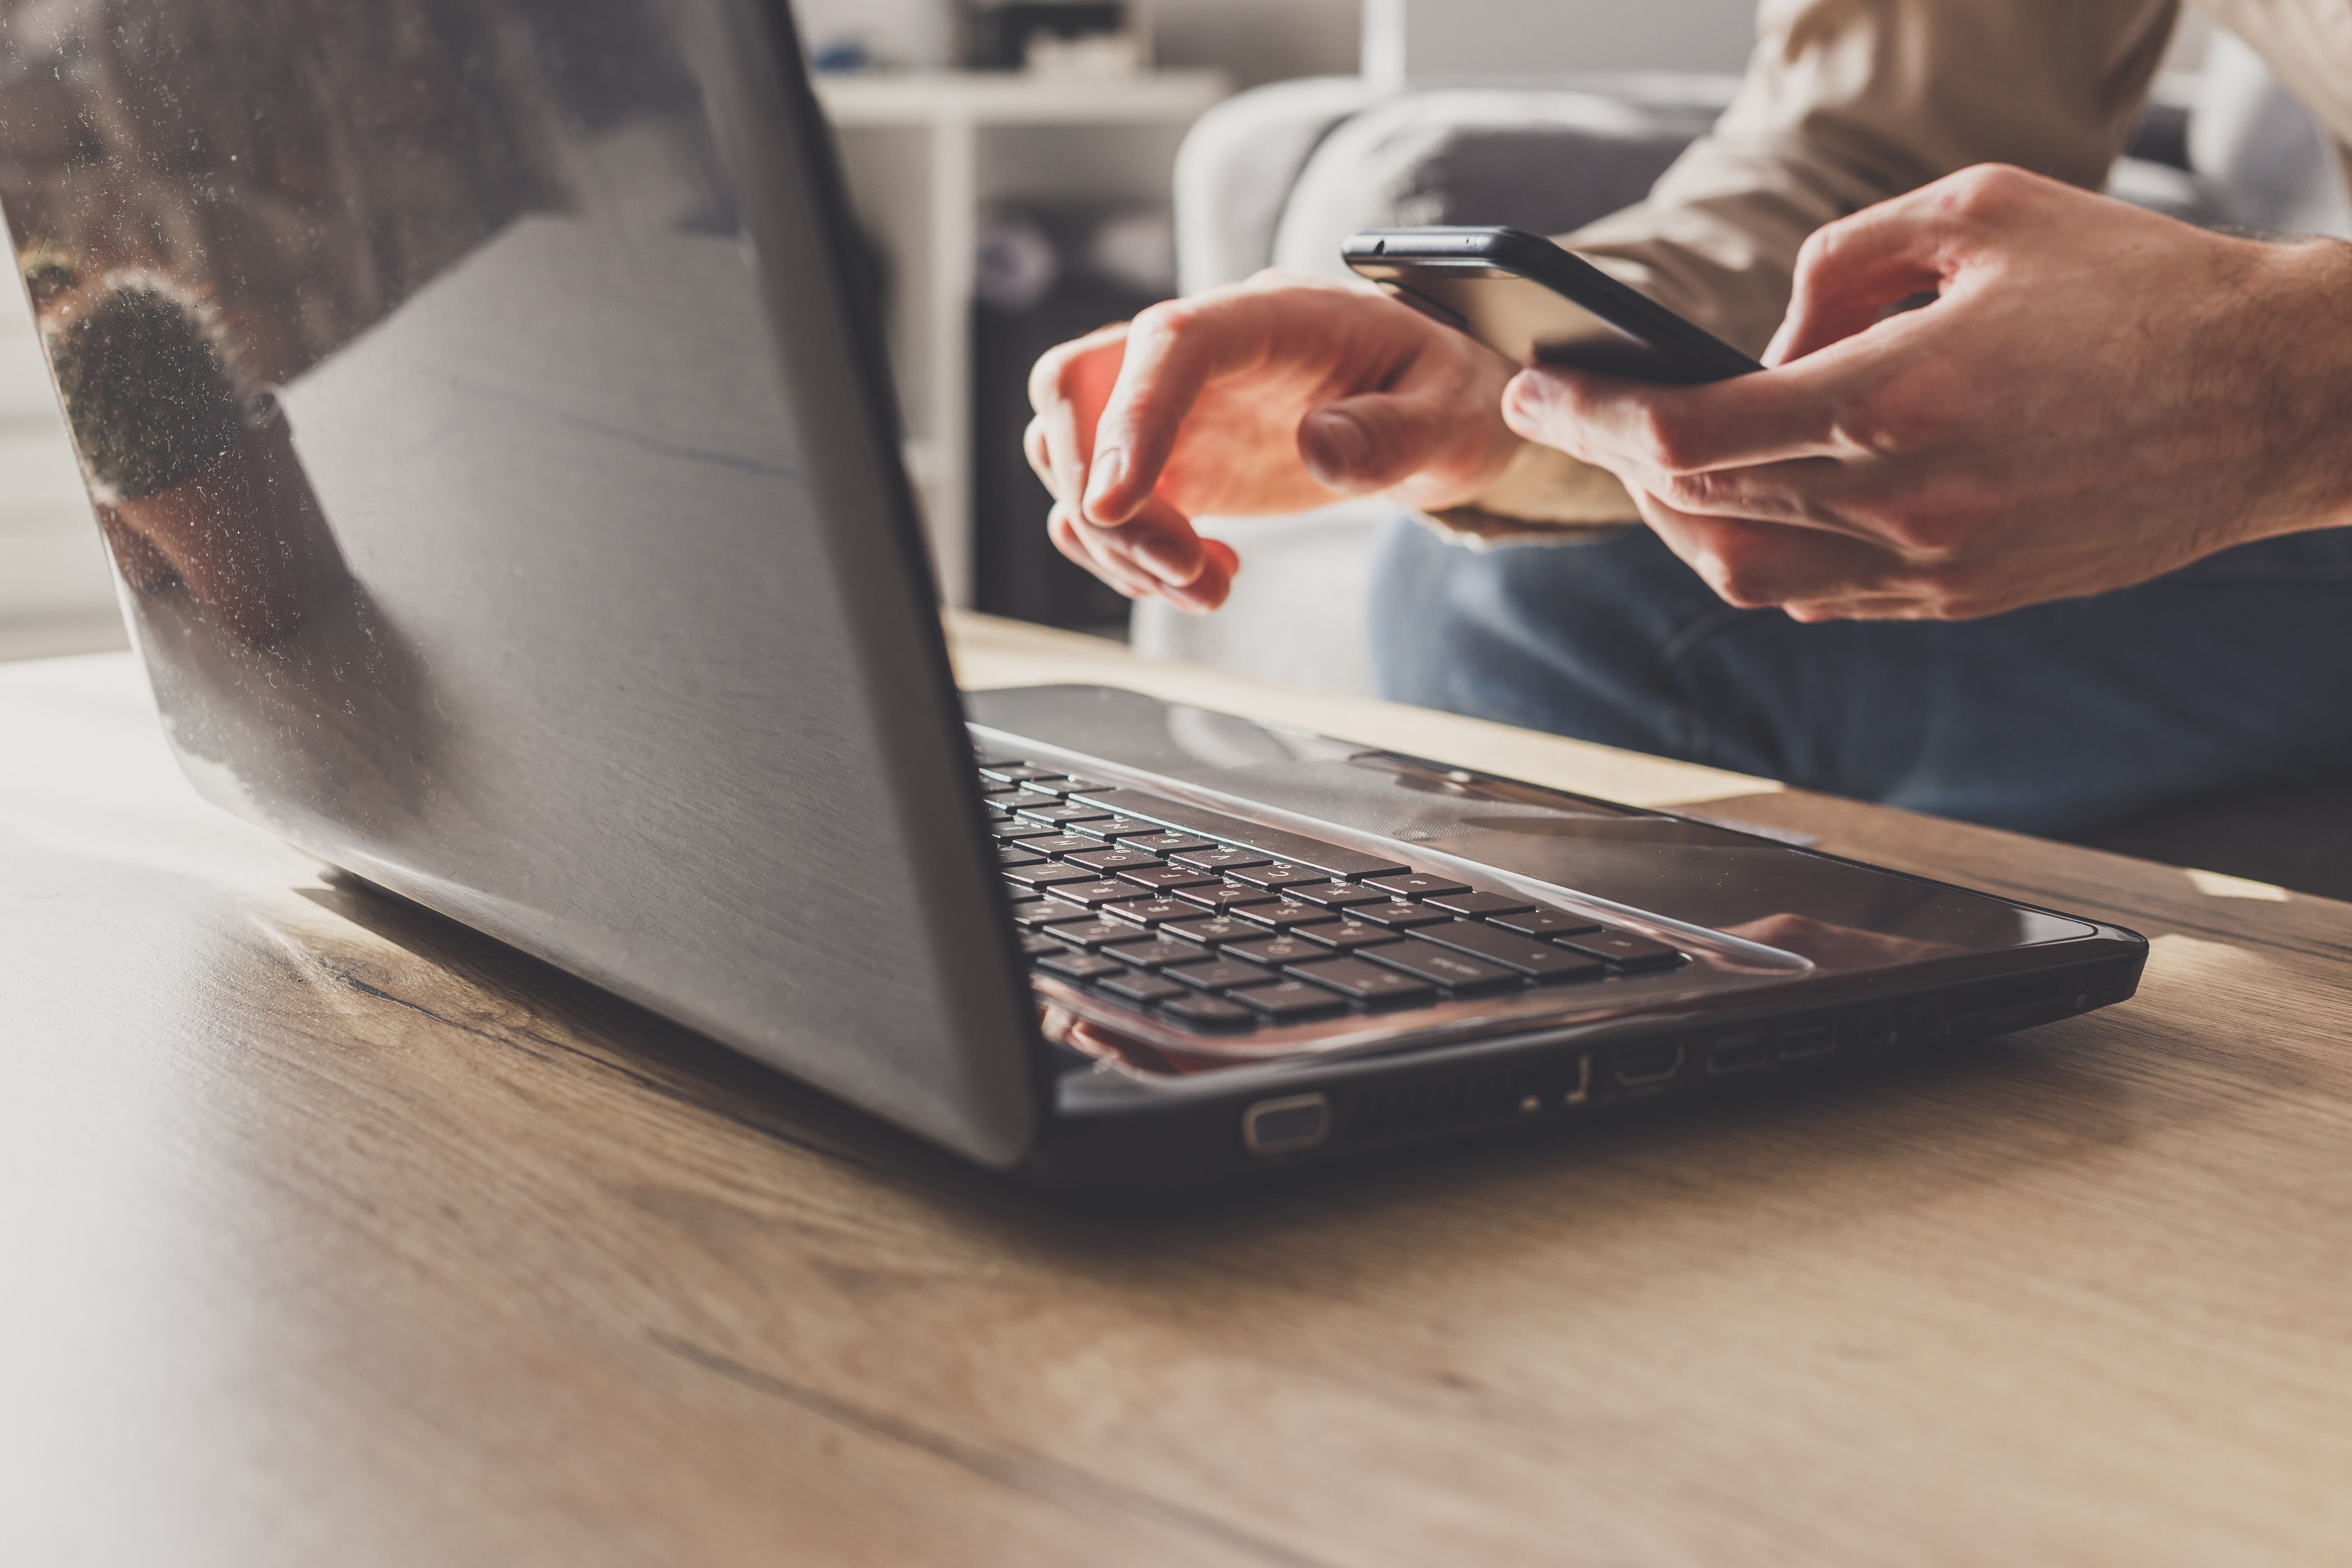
(2096, 397)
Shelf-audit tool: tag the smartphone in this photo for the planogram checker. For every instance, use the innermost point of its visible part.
(1533, 302)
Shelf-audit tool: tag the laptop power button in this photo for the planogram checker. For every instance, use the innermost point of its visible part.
(1286, 1126)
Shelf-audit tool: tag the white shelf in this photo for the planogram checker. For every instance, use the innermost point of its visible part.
(1009, 98)
(923, 153)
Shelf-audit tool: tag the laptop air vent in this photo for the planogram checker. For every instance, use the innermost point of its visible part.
(1435, 1105)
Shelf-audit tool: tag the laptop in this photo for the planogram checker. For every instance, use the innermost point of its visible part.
(489, 420)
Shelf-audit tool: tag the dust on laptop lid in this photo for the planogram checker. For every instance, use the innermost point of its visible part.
(502, 497)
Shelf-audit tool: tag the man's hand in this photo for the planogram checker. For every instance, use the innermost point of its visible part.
(1272, 395)
(2098, 396)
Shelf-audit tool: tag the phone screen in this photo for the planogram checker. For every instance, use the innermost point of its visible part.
(1527, 322)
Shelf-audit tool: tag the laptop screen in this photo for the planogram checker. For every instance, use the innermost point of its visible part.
(503, 498)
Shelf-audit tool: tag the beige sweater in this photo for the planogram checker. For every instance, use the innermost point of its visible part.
(1848, 102)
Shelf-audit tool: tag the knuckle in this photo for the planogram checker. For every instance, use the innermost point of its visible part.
(1049, 377)
(1985, 193)
(1169, 317)
(1894, 421)
(1737, 578)
(1670, 439)
(1824, 243)
(1702, 493)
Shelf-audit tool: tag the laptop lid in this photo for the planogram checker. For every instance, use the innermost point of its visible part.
(498, 472)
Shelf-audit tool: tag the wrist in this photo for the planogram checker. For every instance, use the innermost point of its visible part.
(2307, 405)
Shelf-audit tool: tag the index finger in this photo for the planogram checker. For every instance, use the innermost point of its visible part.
(1068, 386)
(1172, 350)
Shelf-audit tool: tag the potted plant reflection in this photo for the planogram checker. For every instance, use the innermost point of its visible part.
(196, 479)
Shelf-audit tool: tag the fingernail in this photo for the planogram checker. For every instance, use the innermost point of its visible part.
(1170, 561)
(1109, 470)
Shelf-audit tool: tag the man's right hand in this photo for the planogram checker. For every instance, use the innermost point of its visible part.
(1272, 395)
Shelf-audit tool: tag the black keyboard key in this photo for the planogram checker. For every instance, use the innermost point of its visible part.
(1625, 949)
(1050, 912)
(1367, 983)
(1036, 944)
(1398, 914)
(1060, 814)
(1284, 915)
(1333, 895)
(1047, 873)
(1011, 855)
(1095, 895)
(1012, 830)
(988, 762)
(1021, 802)
(1056, 843)
(1203, 1011)
(1093, 933)
(1223, 896)
(1080, 966)
(1331, 859)
(1277, 951)
(1480, 906)
(1137, 987)
(1545, 923)
(1277, 874)
(1291, 1001)
(991, 786)
(1420, 886)
(1110, 862)
(1167, 878)
(1224, 975)
(1166, 843)
(1216, 858)
(1062, 784)
(1151, 911)
(1155, 954)
(1529, 956)
(1111, 829)
(1214, 929)
(1347, 936)
(1015, 772)
(1442, 965)
(997, 814)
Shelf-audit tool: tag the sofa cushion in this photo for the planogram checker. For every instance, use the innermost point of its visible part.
(1237, 167)
(1547, 160)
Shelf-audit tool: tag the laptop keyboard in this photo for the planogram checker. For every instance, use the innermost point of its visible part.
(1221, 924)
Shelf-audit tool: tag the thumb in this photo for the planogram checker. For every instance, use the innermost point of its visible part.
(1356, 446)
(1850, 271)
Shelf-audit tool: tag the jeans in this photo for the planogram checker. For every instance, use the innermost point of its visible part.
(2053, 719)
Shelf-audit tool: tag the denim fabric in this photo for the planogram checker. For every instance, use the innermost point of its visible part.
(2235, 671)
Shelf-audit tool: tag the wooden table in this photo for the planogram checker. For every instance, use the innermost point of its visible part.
(334, 1234)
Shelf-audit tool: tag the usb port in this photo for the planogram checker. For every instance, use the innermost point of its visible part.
(1739, 1053)
(1651, 1064)
(1807, 1040)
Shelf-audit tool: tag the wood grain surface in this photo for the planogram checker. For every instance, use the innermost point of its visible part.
(333, 1233)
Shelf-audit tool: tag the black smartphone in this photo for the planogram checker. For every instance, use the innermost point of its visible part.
(1533, 302)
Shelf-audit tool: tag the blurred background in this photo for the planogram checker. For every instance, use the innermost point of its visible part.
(1015, 168)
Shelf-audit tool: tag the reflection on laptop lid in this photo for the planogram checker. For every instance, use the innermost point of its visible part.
(505, 502)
